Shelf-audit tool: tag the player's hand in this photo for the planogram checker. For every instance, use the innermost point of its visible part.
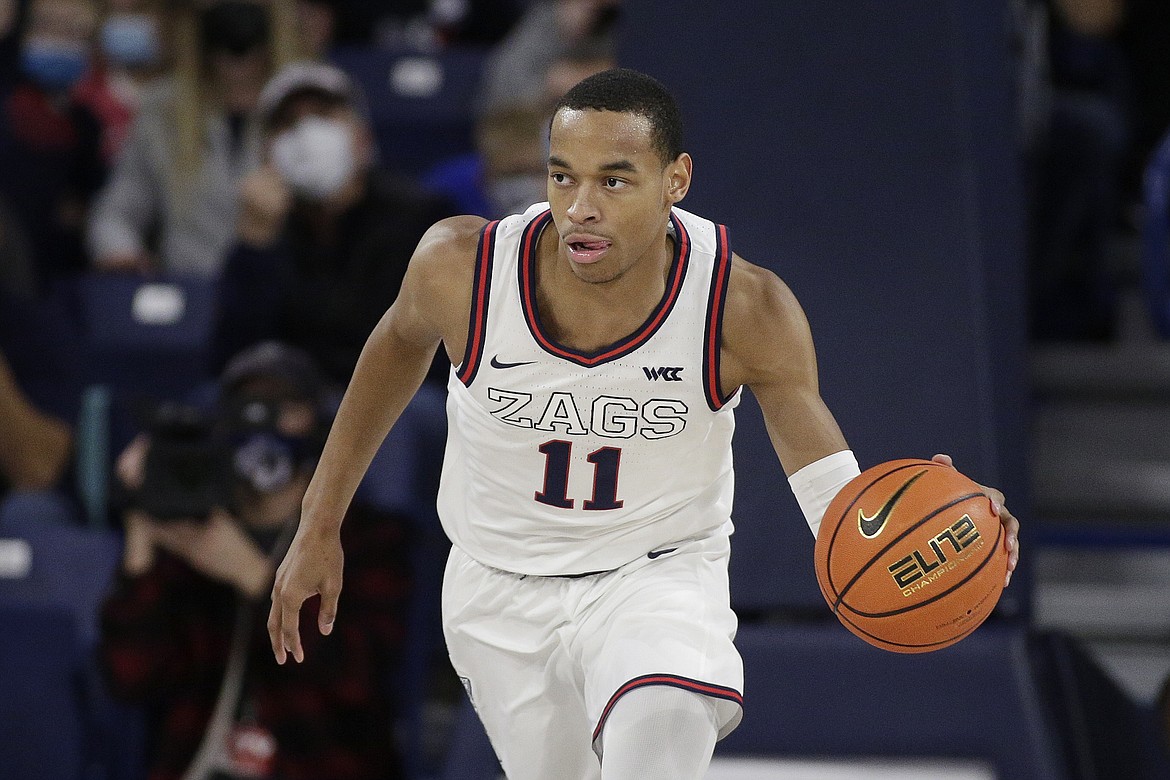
(1011, 525)
(312, 565)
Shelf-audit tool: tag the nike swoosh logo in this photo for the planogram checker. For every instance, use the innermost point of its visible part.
(497, 364)
(656, 553)
(872, 526)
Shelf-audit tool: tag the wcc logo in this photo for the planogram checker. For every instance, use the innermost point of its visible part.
(665, 373)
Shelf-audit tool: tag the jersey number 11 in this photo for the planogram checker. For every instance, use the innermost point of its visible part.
(557, 454)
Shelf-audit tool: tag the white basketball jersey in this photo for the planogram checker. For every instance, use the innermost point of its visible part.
(563, 462)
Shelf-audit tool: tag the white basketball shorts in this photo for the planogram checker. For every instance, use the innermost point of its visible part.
(544, 659)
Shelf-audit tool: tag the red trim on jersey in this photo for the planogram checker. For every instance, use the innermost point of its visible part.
(481, 287)
(673, 680)
(682, 252)
(714, 330)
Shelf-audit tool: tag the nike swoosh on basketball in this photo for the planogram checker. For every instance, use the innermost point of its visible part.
(872, 526)
(496, 363)
(656, 553)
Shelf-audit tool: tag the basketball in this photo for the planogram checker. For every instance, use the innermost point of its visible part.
(910, 557)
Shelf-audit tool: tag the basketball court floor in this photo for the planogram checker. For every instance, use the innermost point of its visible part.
(883, 769)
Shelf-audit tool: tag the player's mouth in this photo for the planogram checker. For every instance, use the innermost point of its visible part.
(584, 248)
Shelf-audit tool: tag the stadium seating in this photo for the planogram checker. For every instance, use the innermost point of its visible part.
(816, 690)
(55, 578)
(144, 340)
(1104, 732)
(41, 715)
(421, 104)
(146, 337)
(403, 479)
(70, 567)
(471, 756)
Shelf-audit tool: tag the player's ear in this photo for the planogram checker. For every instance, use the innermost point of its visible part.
(678, 178)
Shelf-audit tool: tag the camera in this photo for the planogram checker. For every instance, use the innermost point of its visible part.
(198, 460)
(185, 474)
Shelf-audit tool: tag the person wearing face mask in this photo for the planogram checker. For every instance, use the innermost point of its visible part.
(130, 54)
(182, 630)
(49, 138)
(171, 203)
(324, 236)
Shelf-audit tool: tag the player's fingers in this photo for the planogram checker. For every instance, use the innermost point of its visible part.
(1013, 547)
(328, 612)
(1011, 528)
(1013, 560)
(274, 622)
(290, 629)
(944, 459)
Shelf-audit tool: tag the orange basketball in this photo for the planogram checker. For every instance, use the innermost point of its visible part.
(910, 557)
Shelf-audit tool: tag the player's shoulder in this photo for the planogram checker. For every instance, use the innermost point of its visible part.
(447, 250)
(452, 237)
(754, 291)
(765, 332)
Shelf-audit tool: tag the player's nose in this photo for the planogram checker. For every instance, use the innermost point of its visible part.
(583, 210)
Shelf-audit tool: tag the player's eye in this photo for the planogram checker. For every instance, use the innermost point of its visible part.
(614, 183)
(559, 178)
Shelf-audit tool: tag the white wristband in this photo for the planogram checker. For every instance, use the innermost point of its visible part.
(816, 484)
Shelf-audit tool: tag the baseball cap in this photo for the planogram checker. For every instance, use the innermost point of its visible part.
(273, 360)
(307, 76)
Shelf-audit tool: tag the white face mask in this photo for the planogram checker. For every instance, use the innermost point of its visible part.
(315, 156)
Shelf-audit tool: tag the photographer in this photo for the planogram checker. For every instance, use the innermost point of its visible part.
(216, 498)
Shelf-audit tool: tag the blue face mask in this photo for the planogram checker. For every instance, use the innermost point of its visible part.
(131, 40)
(53, 65)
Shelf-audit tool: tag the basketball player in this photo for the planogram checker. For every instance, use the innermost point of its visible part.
(600, 343)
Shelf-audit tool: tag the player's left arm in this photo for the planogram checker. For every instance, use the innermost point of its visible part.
(768, 347)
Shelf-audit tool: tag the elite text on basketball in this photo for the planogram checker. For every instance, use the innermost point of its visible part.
(915, 571)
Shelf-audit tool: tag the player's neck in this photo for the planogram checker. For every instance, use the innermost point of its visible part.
(589, 316)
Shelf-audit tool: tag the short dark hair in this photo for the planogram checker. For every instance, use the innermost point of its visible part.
(630, 92)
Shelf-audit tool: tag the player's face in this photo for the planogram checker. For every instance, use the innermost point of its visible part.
(609, 190)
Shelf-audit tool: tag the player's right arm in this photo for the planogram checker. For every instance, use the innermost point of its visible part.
(433, 307)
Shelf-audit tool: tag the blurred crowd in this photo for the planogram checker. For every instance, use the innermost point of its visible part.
(1094, 80)
(214, 140)
(229, 145)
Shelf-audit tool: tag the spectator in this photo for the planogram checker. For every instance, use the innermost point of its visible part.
(194, 138)
(424, 24)
(10, 22)
(40, 386)
(474, 22)
(131, 54)
(189, 599)
(507, 172)
(517, 69)
(323, 238)
(577, 63)
(35, 447)
(316, 27)
(49, 140)
(1078, 168)
(1145, 31)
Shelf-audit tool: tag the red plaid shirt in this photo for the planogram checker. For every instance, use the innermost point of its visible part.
(166, 640)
